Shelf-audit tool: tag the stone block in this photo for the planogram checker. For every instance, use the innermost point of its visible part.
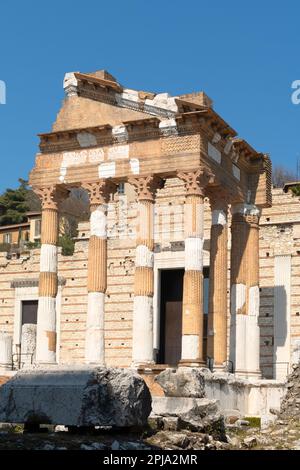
(5, 350)
(182, 382)
(81, 396)
(195, 414)
(170, 423)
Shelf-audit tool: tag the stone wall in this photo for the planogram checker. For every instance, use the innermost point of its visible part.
(279, 246)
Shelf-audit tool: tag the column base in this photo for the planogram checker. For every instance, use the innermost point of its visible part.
(219, 368)
(143, 365)
(191, 363)
(5, 367)
(248, 374)
(43, 363)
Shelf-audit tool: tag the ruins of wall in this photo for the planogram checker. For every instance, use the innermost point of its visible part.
(279, 236)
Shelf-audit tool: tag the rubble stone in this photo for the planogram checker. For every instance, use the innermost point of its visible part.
(250, 442)
(195, 414)
(290, 406)
(182, 382)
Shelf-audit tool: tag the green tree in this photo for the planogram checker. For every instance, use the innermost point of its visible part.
(296, 190)
(67, 244)
(14, 204)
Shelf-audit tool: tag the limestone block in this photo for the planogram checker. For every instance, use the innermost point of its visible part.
(80, 396)
(5, 350)
(196, 414)
(182, 382)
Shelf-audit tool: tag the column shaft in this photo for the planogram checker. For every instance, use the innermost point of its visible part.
(244, 306)
(143, 287)
(192, 308)
(99, 193)
(217, 314)
(48, 280)
(142, 329)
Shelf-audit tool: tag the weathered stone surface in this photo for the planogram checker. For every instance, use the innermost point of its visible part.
(76, 397)
(290, 406)
(195, 414)
(28, 344)
(5, 350)
(250, 442)
(186, 440)
(182, 382)
(170, 423)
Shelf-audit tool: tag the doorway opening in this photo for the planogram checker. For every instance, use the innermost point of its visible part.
(171, 294)
(25, 350)
(29, 311)
(171, 289)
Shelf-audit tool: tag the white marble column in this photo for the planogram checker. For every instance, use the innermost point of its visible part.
(99, 193)
(142, 341)
(48, 281)
(218, 269)
(192, 305)
(244, 297)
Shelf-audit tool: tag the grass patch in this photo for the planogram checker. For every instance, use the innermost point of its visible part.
(254, 421)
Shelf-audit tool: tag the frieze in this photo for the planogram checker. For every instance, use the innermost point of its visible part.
(23, 283)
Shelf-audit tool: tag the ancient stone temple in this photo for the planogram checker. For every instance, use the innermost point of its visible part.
(169, 167)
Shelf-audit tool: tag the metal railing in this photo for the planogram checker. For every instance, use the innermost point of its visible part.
(210, 363)
(228, 365)
(17, 362)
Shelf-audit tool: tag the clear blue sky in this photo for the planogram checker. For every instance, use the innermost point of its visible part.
(244, 55)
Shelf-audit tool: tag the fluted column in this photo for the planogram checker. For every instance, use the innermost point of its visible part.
(192, 309)
(244, 297)
(217, 312)
(142, 341)
(48, 281)
(99, 193)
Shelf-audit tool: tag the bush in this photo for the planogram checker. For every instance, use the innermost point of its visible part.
(296, 190)
(67, 244)
(32, 245)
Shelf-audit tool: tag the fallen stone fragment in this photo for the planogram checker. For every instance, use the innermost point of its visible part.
(182, 382)
(170, 423)
(185, 440)
(61, 429)
(195, 414)
(115, 445)
(250, 442)
(81, 397)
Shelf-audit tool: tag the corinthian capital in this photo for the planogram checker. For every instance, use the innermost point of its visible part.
(100, 191)
(196, 181)
(146, 186)
(51, 196)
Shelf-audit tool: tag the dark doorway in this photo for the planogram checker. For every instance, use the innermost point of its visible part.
(29, 311)
(205, 309)
(171, 288)
(171, 284)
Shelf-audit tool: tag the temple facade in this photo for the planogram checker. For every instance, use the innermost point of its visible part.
(182, 262)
